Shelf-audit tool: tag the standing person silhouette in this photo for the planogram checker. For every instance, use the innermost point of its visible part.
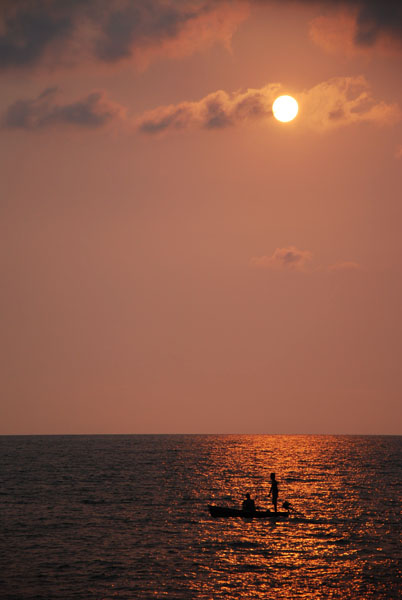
(274, 491)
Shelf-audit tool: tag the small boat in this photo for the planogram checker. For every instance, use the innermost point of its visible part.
(225, 511)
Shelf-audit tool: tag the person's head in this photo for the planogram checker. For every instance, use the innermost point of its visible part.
(272, 476)
(248, 496)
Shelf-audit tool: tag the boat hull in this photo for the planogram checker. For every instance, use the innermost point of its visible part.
(224, 511)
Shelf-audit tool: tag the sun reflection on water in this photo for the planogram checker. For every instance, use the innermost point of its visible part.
(318, 548)
(127, 517)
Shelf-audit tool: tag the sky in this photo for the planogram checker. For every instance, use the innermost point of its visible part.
(175, 260)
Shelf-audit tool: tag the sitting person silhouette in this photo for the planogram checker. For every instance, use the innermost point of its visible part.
(248, 504)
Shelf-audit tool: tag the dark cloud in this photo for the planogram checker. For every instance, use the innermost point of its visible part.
(30, 27)
(168, 118)
(107, 30)
(110, 30)
(43, 112)
(373, 17)
(216, 115)
(139, 23)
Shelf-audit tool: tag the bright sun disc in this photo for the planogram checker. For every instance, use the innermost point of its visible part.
(285, 108)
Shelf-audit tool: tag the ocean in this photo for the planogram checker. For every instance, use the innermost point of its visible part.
(106, 517)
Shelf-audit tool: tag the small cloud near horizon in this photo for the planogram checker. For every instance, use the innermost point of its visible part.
(287, 258)
(291, 258)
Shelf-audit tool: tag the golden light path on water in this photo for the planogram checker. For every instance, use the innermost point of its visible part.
(314, 554)
(126, 517)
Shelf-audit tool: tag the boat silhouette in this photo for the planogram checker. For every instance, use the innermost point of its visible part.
(226, 511)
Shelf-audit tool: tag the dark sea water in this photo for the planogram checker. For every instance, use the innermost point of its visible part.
(102, 517)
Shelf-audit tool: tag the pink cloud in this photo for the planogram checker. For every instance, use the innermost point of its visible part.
(337, 33)
(291, 258)
(342, 101)
(288, 258)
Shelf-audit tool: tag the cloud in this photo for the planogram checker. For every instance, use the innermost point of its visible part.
(33, 32)
(343, 101)
(345, 266)
(43, 112)
(216, 111)
(398, 153)
(337, 102)
(369, 21)
(28, 28)
(376, 17)
(334, 103)
(169, 29)
(337, 34)
(289, 258)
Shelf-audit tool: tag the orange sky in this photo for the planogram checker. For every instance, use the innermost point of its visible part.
(175, 260)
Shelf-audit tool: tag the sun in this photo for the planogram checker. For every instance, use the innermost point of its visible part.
(285, 108)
